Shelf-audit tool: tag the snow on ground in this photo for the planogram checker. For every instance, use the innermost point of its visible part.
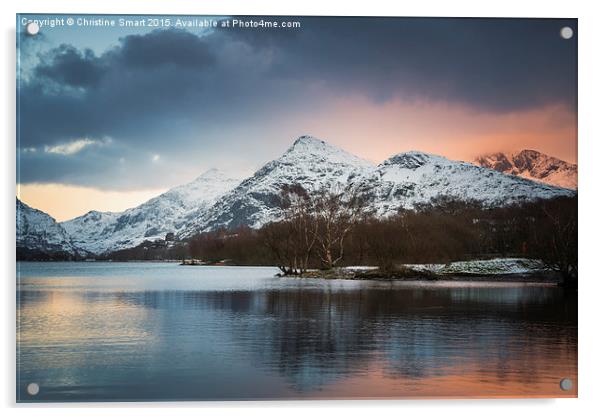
(477, 267)
(488, 267)
(360, 268)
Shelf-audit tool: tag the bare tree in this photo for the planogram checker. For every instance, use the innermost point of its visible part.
(277, 238)
(300, 215)
(293, 238)
(337, 213)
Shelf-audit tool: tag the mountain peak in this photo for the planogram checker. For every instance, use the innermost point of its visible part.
(312, 149)
(412, 159)
(531, 153)
(533, 165)
(307, 139)
(212, 174)
(309, 144)
(94, 214)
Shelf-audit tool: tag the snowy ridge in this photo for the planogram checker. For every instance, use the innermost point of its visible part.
(38, 232)
(99, 232)
(533, 165)
(412, 178)
(309, 162)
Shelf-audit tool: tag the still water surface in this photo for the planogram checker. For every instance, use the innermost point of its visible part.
(157, 331)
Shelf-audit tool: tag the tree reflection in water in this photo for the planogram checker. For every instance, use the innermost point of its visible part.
(319, 342)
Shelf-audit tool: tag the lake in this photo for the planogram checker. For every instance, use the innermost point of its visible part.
(160, 331)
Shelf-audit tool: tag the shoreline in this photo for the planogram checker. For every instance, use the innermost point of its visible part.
(550, 277)
(509, 270)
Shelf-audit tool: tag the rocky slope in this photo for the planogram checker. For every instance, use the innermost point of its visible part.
(39, 236)
(171, 211)
(533, 165)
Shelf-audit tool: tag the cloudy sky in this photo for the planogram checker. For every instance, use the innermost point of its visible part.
(108, 117)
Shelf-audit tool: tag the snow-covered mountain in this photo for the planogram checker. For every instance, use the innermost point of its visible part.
(412, 178)
(533, 165)
(402, 181)
(309, 162)
(40, 236)
(171, 211)
(214, 200)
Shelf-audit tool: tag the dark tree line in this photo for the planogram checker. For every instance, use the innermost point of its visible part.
(330, 230)
(553, 237)
(149, 250)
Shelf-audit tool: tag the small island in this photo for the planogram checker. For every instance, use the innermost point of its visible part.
(515, 270)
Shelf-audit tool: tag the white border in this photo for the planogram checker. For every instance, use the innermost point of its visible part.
(590, 158)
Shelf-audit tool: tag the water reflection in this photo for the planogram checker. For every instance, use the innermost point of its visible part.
(293, 341)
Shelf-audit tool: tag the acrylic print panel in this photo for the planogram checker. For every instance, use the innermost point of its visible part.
(227, 208)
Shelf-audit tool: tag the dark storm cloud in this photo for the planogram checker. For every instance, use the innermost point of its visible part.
(67, 65)
(134, 87)
(169, 47)
(492, 64)
(160, 91)
(60, 168)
